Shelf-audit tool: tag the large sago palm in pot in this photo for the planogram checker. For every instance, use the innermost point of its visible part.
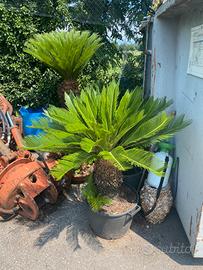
(113, 134)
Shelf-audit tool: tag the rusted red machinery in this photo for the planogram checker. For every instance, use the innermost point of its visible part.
(25, 183)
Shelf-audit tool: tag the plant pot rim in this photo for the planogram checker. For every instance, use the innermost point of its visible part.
(112, 215)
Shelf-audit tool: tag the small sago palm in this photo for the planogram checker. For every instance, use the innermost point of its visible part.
(65, 52)
(97, 127)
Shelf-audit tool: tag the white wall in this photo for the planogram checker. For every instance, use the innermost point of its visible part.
(189, 100)
(163, 57)
(171, 43)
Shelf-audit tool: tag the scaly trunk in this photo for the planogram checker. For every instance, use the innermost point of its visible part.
(107, 178)
(66, 87)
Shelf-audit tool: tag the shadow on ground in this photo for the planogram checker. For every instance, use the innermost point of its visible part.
(168, 237)
(68, 214)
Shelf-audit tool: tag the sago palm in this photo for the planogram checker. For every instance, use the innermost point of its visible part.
(65, 52)
(97, 127)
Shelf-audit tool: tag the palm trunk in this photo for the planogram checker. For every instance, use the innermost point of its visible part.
(66, 87)
(107, 178)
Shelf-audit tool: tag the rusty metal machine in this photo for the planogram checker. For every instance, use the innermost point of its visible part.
(25, 183)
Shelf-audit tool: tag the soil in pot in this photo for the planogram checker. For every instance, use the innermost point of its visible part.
(118, 206)
(115, 220)
(122, 203)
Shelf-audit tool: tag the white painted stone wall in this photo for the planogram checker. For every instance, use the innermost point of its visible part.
(170, 54)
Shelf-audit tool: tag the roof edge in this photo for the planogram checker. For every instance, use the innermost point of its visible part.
(172, 8)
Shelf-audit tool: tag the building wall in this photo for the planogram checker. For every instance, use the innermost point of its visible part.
(189, 100)
(164, 57)
(171, 45)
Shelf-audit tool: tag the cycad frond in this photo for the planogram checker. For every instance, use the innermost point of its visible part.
(71, 162)
(154, 106)
(95, 200)
(125, 159)
(116, 156)
(143, 159)
(65, 52)
(148, 129)
(50, 142)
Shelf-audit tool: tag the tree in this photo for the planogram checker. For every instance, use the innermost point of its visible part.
(132, 72)
(23, 80)
(115, 20)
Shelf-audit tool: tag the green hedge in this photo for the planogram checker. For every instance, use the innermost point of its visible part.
(23, 80)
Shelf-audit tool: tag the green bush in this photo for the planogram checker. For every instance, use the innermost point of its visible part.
(23, 80)
(133, 67)
(101, 75)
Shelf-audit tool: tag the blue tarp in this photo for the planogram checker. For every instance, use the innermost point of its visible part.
(28, 115)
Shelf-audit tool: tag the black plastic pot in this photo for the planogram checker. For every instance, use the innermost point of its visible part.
(132, 177)
(111, 226)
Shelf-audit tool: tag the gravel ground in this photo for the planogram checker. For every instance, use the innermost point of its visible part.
(61, 239)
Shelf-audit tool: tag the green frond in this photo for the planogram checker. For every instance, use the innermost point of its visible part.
(116, 156)
(153, 106)
(87, 145)
(71, 162)
(51, 142)
(69, 119)
(178, 123)
(126, 159)
(57, 114)
(143, 159)
(148, 129)
(175, 124)
(49, 125)
(95, 200)
(127, 126)
(65, 52)
(108, 105)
